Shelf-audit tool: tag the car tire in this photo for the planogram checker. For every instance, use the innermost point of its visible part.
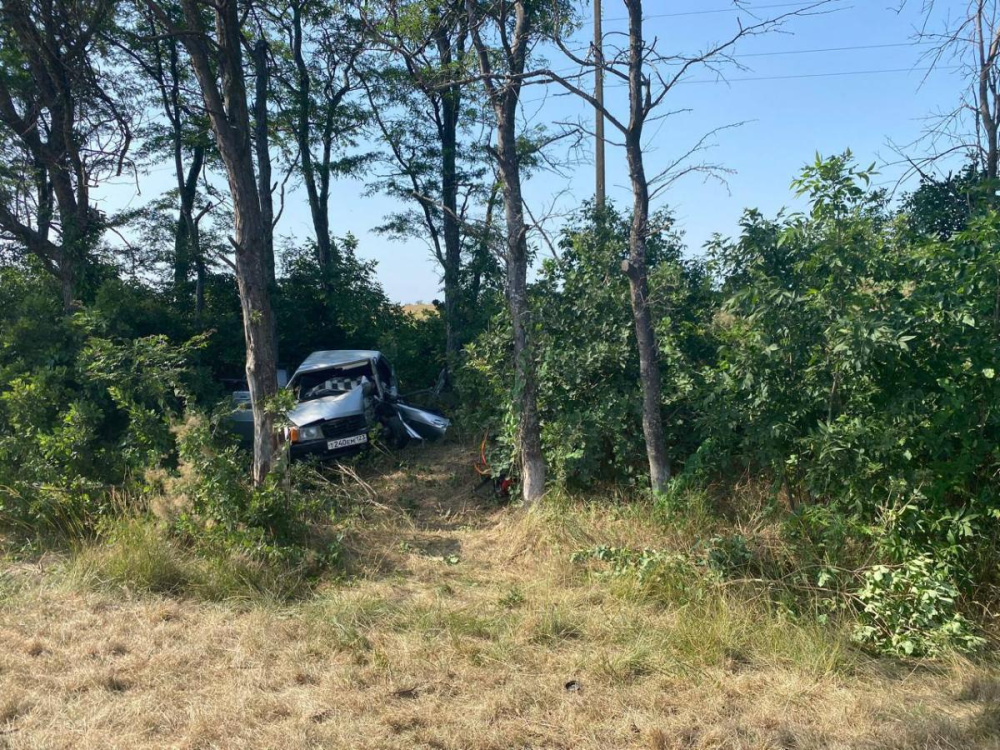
(396, 433)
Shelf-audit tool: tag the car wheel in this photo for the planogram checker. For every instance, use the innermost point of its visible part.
(396, 433)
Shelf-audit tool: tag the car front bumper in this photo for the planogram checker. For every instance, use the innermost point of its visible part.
(329, 448)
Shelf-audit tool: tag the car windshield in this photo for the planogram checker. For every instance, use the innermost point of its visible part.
(332, 381)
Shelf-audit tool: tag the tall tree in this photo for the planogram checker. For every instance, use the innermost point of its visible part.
(969, 39)
(62, 130)
(323, 42)
(420, 107)
(651, 76)
(217, 60)
(181, 133)
(262, 148)
(514, 27)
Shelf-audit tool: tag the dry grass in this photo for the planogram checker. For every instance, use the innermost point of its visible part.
(461, 627)
(420, 310)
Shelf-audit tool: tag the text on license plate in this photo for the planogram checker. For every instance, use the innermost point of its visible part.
(332, 445)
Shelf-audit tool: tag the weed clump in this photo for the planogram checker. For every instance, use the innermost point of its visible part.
(140, 556)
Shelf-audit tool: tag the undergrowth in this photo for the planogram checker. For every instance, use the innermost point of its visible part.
(813, 576)
(140, 556)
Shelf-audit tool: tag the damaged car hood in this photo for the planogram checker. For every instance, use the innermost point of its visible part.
(328, 407)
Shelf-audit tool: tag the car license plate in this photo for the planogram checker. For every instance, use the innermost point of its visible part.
(332, 445)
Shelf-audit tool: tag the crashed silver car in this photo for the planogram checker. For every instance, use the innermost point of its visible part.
(342, 395)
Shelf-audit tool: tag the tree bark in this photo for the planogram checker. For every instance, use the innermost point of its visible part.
(525, 386)
(262, 144)
(318, 208)
(987, 101)
(504, 97)
(226, 104)
(987, 40)
(451, 99)
(67, 285)
(187, 248)
(635, 268)
(199, 288)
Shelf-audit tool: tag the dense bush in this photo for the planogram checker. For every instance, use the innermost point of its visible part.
(82, 415)
(845, 355)
(858, 366)
(587, 360)
(910, 609)
(342, 308)
(855, 364)
(92, 405)
(215, 505)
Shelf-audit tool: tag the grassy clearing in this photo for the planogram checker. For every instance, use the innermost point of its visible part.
(458, 625)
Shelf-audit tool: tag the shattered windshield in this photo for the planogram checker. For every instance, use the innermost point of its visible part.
(332, 381)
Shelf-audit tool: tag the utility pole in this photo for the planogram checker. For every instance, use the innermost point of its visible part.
(599, 193)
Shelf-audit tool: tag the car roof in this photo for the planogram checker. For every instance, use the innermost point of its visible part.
(318, 360)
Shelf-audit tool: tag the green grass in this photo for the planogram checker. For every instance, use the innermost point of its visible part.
(135, 555)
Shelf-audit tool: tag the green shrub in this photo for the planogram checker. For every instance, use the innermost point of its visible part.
(856, 368)
(728, 554)
(224, 508)
(587, 362)
(86, 427)
(666, 576)
(910, 610)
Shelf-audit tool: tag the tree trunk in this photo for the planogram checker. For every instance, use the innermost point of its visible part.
(303, 131)
(649, 369)
(262, 141)
(258, 328)
(986, 117)
(186, 245)
(504, 97)
(635, 267)
(67, 284)
(525, 386)
(199, 287)
(450, 108)
(452, 235)
(230, 119)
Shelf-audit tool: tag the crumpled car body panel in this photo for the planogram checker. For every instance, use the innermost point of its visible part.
(368, 398)
(328, 407)
(421, 424)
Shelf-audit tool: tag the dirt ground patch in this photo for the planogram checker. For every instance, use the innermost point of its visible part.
(464, 625)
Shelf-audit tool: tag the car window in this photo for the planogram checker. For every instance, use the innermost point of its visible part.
(331, 381)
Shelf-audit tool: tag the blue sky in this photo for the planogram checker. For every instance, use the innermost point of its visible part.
(786, 120)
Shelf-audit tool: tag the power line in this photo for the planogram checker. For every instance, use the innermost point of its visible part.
(749, 79)
(820, 75)
(713, 11)
(832, 49)
(780, 53)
